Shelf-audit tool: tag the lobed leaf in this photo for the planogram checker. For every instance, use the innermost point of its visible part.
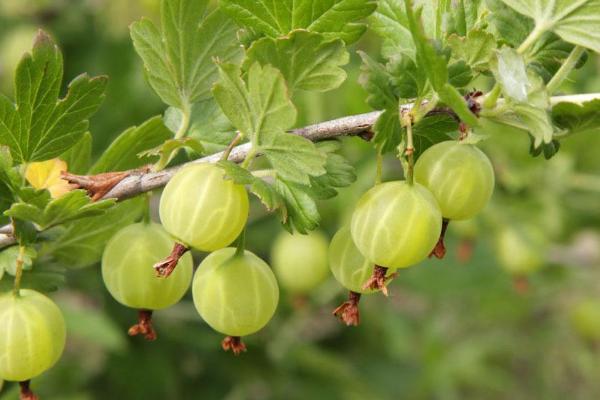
(122, 154)
(335, 19)
(576, 22)
(71, 206)
(178, 58)
(307, 60)
(40, 126)
(81, 243)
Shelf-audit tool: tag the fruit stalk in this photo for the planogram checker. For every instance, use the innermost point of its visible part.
(25, 392)
(144, 326)
(19, 271)
(233, 343)
(166, 267)
(348, 311)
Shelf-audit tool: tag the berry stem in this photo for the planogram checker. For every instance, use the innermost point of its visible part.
(241, 244)
(439, 251)
(378, 280)
(410, 149)
(166, 267)
(233, 343)
(379, 163)
(25, 392)
(348, 311)
(19, 271)
(236, 140)
(144, 326)
(565, 69)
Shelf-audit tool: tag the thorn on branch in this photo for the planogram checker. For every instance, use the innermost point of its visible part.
(25, 391)
(166, 267)
(439, 251)
(233, 343)
(144, 326)
(348, 311)
(379, 280)
(99, 185)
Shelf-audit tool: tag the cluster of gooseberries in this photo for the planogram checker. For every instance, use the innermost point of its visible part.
(399, 224)
(394, 225)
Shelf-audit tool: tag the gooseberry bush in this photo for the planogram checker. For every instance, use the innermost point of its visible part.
(450, 75)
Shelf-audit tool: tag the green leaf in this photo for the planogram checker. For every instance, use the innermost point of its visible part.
(208, 125)
(431, 130)
(531, 115)
(166, 151)
(122, 154)
(508, 25)
(476, 49)
(335, 19)
(511, 73)
(40, 126)
(575, 118)
(459, 74)
(377, 81)
(71, 206)
(391, 23)
(261, 189)
(260, 107)
(408, 79)
(435, 65)
(464, 16)
(308, 61)
(340, 173)
(303, 214)
(81, 243)
(8, 259)
(178, 58)
(43, 277)
(388, 131)
(262, 111)
(295, 158)
(576, 22)
(78, 157)
(547, 55)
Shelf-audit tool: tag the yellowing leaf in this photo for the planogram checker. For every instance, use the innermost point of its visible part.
(46, 175)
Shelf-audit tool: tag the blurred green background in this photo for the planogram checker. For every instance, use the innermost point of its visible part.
(466, 327)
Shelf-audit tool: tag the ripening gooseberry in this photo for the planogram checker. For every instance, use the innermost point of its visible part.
(300, 261)
(585, 318)
(519, 251)
(349, 267)
(460, 177)
(32, 335)
(127, 268)
(203, 210)
(396, 224)
(236, 294)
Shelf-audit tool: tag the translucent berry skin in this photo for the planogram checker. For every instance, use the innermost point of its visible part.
(519, 251)
(203, 210)
(349, 267)
(585, 318)
(32, 335)
(300, 261)
(236, 296)
(396, 225)
(460, 177)
(127, 268)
